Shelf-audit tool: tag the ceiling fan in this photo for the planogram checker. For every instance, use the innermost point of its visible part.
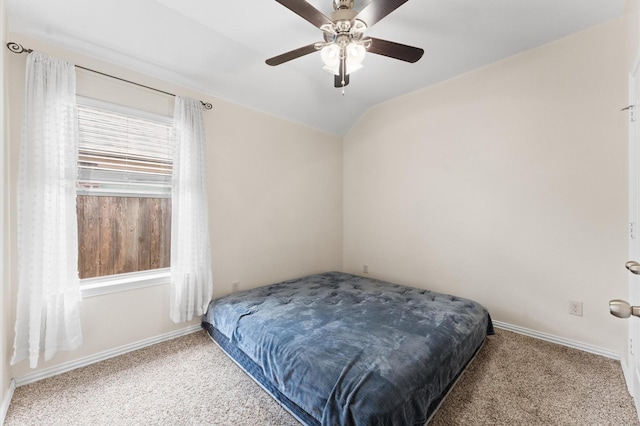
(344, 44)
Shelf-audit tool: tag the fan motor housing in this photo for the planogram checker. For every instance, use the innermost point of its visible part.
(342, 4)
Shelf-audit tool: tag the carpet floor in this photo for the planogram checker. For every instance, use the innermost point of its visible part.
(514, 380)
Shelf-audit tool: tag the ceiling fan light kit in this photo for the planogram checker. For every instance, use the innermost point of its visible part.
(332, 54)
(344, 46)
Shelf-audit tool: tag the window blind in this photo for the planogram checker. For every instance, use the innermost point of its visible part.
(123, 154)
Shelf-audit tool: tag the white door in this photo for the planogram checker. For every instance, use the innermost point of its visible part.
(622, 308)
(634, 230)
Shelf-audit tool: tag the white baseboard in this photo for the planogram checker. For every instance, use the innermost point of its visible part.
(559, 340)
(627, 377)
(6, 401)
(83, 362)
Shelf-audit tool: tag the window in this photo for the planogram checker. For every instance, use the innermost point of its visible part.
(123, 193)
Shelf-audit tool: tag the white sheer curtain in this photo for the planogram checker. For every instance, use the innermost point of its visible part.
(48, 307)
(191, 277)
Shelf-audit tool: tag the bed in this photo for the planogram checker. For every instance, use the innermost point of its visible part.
(341, 349)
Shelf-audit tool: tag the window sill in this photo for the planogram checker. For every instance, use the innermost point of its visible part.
(100, 286)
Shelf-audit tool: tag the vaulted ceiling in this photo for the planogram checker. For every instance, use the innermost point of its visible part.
(220, 47)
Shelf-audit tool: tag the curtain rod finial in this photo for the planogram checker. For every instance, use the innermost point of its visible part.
(206, 105)
(17, 48)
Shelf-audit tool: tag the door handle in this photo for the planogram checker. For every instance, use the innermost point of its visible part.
(633, 267)
(622, 309)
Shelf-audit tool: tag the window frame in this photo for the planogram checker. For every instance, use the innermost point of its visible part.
(108, 284)
(99, 286)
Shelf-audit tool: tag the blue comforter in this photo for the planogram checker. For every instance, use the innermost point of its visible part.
(350, 350)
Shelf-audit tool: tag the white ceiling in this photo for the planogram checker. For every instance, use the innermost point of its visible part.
(219, 47)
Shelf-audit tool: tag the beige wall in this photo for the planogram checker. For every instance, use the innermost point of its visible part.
(275, 195)
(507, 185)
(632, 26)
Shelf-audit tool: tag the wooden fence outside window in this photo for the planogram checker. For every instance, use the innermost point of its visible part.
(122, 234)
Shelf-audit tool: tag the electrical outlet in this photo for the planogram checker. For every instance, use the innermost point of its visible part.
(575, 308)
(365, 269)
(235, 286)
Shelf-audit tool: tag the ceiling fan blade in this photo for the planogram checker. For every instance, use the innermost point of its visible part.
(337, 81)
(395, 50)
(293, 54)
(306, 11)
(378, 9)
(342, 79)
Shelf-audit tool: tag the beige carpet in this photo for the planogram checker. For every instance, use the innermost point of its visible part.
(514, 380)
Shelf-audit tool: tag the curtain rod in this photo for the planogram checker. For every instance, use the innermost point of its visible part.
(17, 48)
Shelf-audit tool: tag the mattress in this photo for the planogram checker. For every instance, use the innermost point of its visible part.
(341, 349)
